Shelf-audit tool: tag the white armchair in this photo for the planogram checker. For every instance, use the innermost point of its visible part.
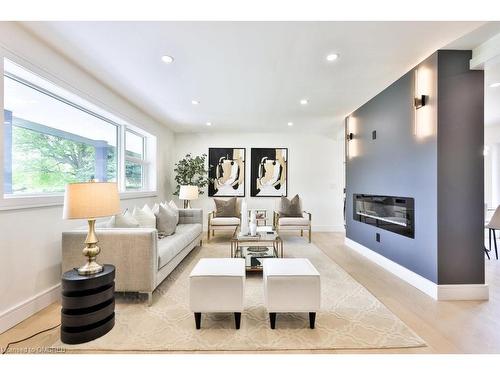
(301, 224)
(223, 223)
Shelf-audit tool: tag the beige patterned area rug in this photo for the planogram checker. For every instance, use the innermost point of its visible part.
(350, 317)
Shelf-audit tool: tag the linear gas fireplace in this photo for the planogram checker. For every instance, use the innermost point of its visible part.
(395, 214)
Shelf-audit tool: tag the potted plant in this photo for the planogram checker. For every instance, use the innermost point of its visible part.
(191, 171)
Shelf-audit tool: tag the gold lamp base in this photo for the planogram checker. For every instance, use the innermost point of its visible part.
(91, 251)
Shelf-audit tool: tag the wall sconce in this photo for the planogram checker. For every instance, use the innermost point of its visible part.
(423, 92)
(419, 102)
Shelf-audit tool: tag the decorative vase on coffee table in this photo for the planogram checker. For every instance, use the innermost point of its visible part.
(244, 219)
(253, 223)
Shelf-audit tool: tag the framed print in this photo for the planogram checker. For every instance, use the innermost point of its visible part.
(226, 172)
(269, 172)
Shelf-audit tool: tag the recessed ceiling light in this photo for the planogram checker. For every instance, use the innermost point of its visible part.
(195, 102)
(496, 84)
(304, 101)
(290, 124)
(167, 59)
(208, 123)
(332, 57)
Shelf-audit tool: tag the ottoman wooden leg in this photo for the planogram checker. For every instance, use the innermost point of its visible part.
(197, 319)
(312, 319)
(272, 319)
(237, 319)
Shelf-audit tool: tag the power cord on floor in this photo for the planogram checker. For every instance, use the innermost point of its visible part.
(27, 338)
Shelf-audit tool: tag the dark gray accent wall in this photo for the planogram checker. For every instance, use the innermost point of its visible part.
(438, 163)
(460, 170)
(399, 164)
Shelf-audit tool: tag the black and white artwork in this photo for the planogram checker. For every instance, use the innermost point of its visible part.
(227, 172)
(269, 172)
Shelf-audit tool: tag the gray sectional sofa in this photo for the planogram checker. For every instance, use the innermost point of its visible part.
(142, 260)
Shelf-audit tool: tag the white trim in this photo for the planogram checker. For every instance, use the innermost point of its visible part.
(9, 318)
(438, 292)
(328, 228)
(464, 292)
(419, 282)
(21, 203)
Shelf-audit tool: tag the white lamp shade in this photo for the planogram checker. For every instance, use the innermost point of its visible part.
(88, 200)
(188, 192)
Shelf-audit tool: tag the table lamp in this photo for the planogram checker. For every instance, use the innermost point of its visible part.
(91, 200)
(188, 193)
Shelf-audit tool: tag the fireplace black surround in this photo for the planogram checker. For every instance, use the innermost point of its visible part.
(395, 214)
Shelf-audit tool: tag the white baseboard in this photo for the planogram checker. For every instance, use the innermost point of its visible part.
(328, 228)
(9, 318)
(463, 292)
(438, 292)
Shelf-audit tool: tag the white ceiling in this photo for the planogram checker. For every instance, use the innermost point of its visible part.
(250, 76)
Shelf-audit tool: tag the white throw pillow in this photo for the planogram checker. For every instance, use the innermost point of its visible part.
(145, 217)
(156, 207)
(166, 220)
(124, 220)
(173, 205)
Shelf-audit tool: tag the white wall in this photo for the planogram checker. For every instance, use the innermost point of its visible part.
(492, 166)
(30, 239)
(315, 169)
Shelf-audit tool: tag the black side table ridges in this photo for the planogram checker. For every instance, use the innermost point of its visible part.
(88, 305)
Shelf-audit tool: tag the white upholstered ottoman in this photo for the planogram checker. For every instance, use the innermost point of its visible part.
(291, 285)
(217, 285)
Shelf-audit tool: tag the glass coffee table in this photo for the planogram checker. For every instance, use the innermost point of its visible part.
(266, 244)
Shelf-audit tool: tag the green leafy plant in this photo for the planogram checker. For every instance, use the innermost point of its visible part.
(191, 171)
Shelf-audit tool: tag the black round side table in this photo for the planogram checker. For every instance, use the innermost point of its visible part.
(88, 305)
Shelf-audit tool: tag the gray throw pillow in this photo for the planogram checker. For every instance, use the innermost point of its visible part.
(290, 208)
(225, 207)
(166, 220)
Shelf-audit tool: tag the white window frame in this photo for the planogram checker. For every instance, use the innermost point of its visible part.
(144, 162)
(22, 201)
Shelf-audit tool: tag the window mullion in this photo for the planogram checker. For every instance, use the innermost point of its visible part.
(121, 169)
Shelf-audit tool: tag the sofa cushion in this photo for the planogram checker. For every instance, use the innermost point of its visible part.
(225, 221)
(170, 246)
(295, 221)
(166, 220)
(290, 207)
(145, 217)
(171, 204)
(226, 207)
(124, 220)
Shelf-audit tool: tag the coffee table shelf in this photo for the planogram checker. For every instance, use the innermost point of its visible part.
(265, 245)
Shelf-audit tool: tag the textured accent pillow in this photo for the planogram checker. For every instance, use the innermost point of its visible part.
(166, 220)
(225, 207)
(145, 217)
(290, 208)
(124, 220)
(174, 207)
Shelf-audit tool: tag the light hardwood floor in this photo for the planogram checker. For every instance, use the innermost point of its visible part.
(447, 327)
